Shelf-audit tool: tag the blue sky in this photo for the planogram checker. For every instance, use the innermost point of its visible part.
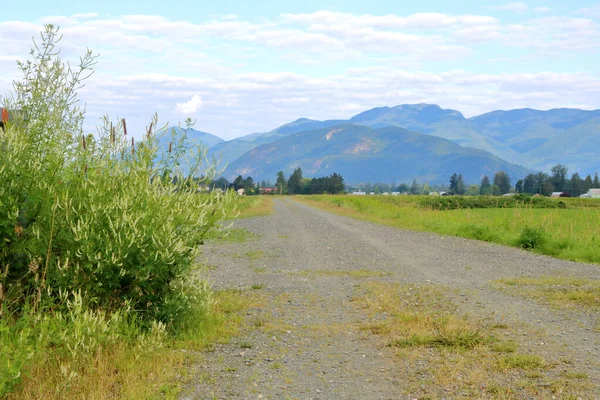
(242, 67)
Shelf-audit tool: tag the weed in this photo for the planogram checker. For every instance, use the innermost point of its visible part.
(560, 291)
(257, 286)
(254, 254)
(441, 349)
(531, 238)
(526, 362)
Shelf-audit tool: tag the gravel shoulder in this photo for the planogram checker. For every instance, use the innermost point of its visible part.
(306, 341)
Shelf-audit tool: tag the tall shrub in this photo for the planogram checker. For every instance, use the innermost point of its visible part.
(102, 215)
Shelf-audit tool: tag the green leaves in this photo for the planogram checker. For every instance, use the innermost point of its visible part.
(100, 215)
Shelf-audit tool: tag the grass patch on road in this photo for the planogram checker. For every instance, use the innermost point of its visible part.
(444, 353)
(254, 206)
(569, 233)
(559, 291)
(356, 273)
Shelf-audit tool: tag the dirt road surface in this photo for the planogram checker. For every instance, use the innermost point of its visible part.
(306, 341)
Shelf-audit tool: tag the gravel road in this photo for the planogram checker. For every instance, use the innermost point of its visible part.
(308, 343)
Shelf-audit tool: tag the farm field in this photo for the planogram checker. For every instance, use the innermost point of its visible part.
(571, 233)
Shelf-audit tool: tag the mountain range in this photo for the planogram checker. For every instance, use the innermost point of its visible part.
(421, 141)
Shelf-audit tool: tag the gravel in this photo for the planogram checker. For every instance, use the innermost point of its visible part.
(312, 346)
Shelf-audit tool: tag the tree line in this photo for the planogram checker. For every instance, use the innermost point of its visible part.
(501, 183)
(295, 184)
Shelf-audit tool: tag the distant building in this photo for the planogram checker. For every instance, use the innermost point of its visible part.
(268, 190)
(359, 193)
(556, 194)
(241, 192)
(395, 193)
(592, 194)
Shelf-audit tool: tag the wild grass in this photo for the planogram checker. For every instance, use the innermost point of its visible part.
(570, 233)
(565, 292)
(254, 255)
(254, 206)
(443, 352)
(93, 355)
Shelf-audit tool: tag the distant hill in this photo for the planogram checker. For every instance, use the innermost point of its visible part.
(534, 139)
(361, 154)
(193, 136)
(228, 152)
(541, 139)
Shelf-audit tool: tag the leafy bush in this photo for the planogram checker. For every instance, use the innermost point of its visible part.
(531, 238)
(115, 220)
(459, 202)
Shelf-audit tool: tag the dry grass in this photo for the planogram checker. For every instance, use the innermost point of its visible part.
(560, 291)
(444, 354)
(124, 371)
(254, 206)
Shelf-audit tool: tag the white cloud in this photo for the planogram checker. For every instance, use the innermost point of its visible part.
(189, 107)
(236, 76)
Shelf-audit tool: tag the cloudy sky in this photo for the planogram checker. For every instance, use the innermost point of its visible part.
(239, 67)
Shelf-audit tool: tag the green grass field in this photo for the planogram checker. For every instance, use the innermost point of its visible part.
(571, 233)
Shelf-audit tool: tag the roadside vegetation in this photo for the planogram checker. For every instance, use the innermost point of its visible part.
(448, 354)
(100, 236)
(562, 228)
(563, 292)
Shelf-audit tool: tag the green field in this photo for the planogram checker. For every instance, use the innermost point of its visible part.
(571, 231)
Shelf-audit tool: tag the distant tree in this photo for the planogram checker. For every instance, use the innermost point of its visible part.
(403, 188)
(495, 190)
(575, 185)
(559, 177)
(530, 184)
(588, 184)
(543, 183)
(336, 184)
(519, 186)
(460, 185)
(221, 183)
(238, 183)
(596, 183)
(484, 189)
(425, 190)
(249, 185)
(281, 184)
(547, 188)
(502, 180)
(295, 182)
(414, 188)
(473, 190)
(454, 184)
